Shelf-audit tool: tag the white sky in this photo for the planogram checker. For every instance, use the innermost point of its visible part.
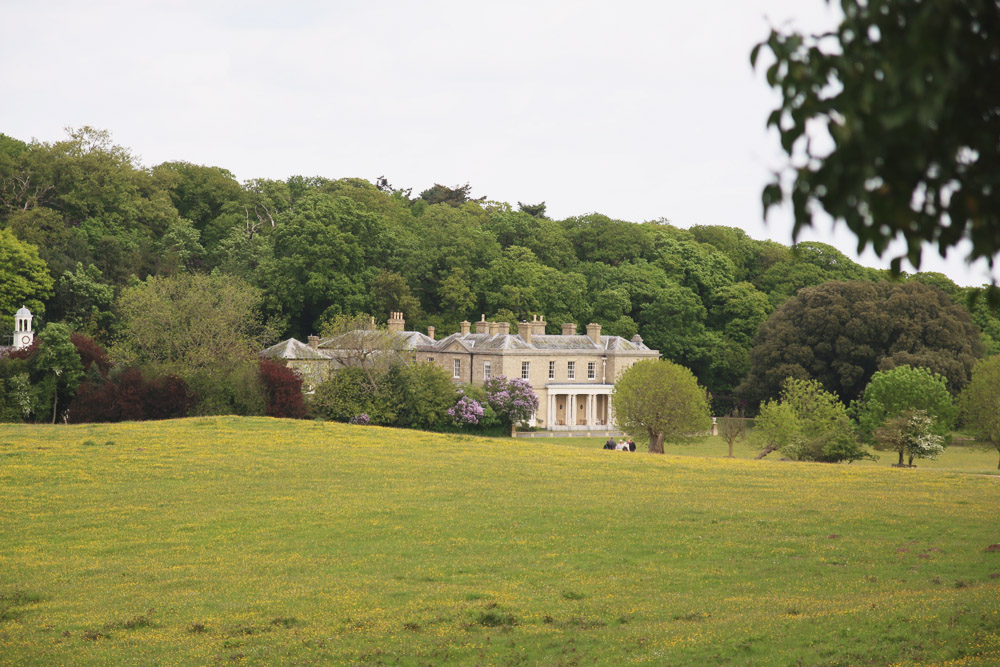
(636, 109)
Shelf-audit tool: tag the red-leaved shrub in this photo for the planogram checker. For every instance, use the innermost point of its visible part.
(129, 397)
(91, 354)
(283, 388)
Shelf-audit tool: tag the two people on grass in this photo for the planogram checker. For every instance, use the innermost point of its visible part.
(621, 446)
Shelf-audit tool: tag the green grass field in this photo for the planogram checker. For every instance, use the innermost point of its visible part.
(222, 540)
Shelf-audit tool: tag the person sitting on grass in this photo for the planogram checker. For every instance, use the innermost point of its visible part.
(610, 444)
(631, 445)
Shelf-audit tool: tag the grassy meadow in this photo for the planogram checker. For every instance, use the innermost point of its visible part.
(224, 540)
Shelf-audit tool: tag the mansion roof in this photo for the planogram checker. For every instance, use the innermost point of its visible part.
(472, 342)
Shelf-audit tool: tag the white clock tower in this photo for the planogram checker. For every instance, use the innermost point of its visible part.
(23, 335)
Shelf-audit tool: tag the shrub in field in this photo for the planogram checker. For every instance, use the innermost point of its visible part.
(349, 393)
(424, 392)
(808, 423)
(282, 389)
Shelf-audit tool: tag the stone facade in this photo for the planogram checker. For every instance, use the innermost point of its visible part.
(572, 374)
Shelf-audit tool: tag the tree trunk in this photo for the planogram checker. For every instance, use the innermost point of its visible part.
(730, 449)
(767, 450)
(900, 464)
(655, 443)
(55, 402)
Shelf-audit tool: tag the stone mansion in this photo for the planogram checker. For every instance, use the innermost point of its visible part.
(572, 374)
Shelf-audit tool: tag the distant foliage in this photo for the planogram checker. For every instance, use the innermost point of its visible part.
(283, 389)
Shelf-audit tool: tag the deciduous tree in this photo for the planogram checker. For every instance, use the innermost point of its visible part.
(662, 401)
(980, 403)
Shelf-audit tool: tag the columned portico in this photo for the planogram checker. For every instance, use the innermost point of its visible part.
(578, 406)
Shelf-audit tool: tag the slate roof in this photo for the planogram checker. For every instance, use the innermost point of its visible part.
(292, 349)
(477, 342)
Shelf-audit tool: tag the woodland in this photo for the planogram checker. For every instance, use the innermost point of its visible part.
(82, 222)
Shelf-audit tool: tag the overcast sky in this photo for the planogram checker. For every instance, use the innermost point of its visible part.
(638, 110)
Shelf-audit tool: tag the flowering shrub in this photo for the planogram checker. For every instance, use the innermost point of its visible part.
(512, 399)
(361, 419)
(466, 411)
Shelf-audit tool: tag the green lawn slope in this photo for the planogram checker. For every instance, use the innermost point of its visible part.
(222, 540)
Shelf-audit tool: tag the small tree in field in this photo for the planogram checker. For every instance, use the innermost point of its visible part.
(733, 427)
(980, 403)
(57, 358)
(910, 432)
(662, 400)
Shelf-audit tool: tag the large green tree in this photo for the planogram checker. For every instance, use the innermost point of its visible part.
(189, 322)
(891, 393)
(914, 129)
(660, 400)
(980, 403)
(24, 279)
(841, 333)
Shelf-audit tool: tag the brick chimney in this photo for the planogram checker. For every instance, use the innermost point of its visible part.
(396, 321)
(594, 332)
(314, 342)
(569, 329)
(539, 325)
(482, 325)
(526, 328)
(466, 325)
(430, 332)
(503, 328)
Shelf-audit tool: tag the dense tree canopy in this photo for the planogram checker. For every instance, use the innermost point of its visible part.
(317, 248)
(841, 333)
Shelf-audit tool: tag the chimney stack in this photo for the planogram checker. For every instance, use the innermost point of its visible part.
(540, 326)
(465, 327)
(569, 329)
(594, 332)
(314, 342)
(526, 328)
(482, 325)
(503, 328)
(396, 321)
(430, 332)
(493, 327)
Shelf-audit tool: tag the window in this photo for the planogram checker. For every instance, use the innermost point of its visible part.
(571, 370)
(487, 370)
(457, 373)
(430, 358)
(591, 370)
(525, 369)
(552, 370)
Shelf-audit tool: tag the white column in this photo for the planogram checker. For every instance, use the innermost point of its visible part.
(571, 409)
(610, 411)
(591, 412)
(551, 416)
